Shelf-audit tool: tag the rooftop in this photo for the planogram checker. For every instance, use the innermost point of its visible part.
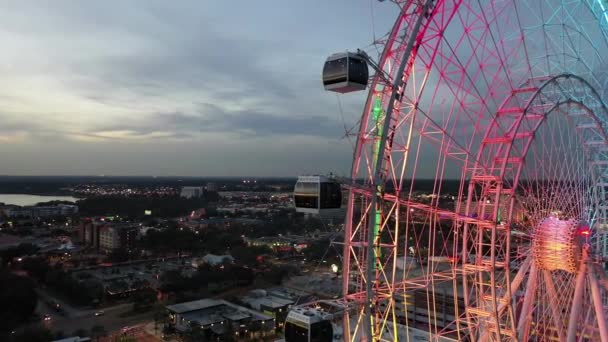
(74, 339)
(268, 301)
(207, 312)
(194, 305)
(8, 241)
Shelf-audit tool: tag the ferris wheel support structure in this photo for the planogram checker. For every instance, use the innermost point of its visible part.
(372, 320)
(505, 99)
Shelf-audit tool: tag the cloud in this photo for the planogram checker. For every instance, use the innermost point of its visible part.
(212, 118)
(88, 82)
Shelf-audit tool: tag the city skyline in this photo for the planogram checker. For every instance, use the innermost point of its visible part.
(146, 88)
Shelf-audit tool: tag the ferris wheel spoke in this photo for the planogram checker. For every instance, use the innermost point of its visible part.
(507, 299)
(525, 319)
(554, 305)
(598, 305)
(520, 276)
(577, 300)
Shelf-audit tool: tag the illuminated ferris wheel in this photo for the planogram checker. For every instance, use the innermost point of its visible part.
(477, 201)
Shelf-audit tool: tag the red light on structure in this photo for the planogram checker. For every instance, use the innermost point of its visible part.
(585, 231)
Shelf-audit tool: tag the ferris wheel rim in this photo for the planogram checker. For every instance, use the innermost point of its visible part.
(358, 158)
(515, 185)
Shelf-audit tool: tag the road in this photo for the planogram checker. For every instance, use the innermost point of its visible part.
(46, 299)
(72, 318)
(112, 320)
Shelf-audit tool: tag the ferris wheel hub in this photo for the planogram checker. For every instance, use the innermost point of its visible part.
(557, 244)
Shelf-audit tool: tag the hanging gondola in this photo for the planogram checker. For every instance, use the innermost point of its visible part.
(345, 72)
(317, 195)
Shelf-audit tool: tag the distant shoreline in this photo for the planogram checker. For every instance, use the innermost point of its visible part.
(25, 200)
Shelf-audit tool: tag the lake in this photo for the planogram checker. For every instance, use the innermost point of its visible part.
(23, 199)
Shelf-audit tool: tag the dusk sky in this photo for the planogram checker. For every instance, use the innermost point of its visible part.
(190, 88)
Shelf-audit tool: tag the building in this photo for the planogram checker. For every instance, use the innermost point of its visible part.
(124, 278)
(109, 238)
(198, 214)
(41, 211)
(219, 222)
(192, 192)
(288, 243)
(113, 237)
(212, 259)
(88, 232)
(68, 209)
(271, 305)
(219, 318)
(212, 187)
(106, 235)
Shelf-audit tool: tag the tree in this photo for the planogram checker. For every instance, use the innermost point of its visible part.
(80, 332)
(98, 331)
(33, 334)
(172, 281)
(17, 300)
(91, 290)
(160, 317)
(118, 255)
(248, 254)
(320, 249)
(59, 334)
(143, 299)
(60, 232)
(242, 275)
(22, 249)
(36, 267)
(277, 273)
(134, 206)
(171, 240)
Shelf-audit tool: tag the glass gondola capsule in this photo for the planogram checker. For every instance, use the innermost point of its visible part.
(308, 325)
(345, 72)
(317, 194)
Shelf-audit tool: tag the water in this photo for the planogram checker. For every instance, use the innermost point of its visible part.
(23, 199)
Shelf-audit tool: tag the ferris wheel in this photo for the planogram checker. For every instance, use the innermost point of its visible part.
(477, 205)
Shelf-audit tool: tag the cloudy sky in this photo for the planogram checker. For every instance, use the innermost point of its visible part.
(200, 88)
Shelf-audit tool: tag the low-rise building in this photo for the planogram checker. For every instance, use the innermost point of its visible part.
(192, 192)
(212, 259)
(219, 318)
(281, 243)
(41, 211)
(212, 187)
(274, 306)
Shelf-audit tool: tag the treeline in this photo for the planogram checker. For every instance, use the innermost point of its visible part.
(174, 240)
(17, 301)
(80, 291)
(221, 277)
(8, 255)
(164, 207)
(229, 276)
